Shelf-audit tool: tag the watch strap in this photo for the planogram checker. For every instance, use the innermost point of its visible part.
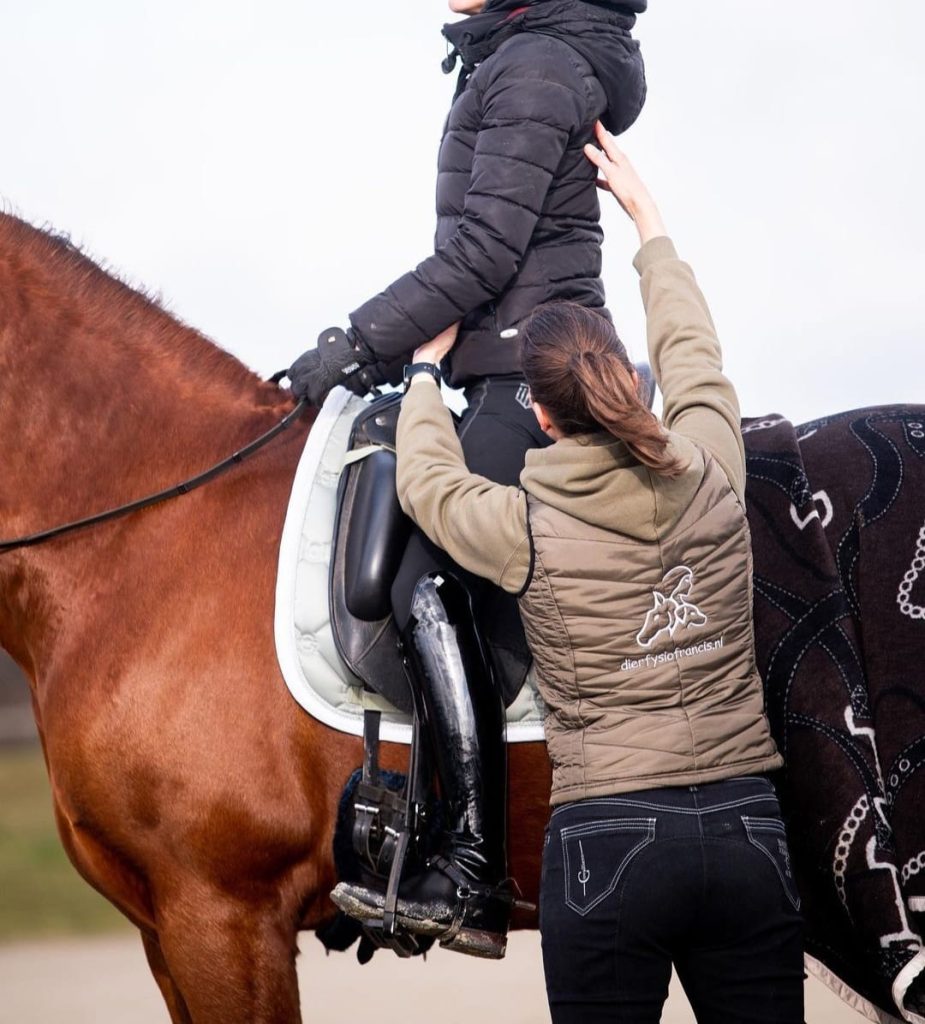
(413, 369)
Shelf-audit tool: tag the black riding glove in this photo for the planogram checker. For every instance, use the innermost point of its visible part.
(335, 361)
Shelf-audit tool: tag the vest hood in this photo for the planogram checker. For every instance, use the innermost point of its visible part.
(594, 478)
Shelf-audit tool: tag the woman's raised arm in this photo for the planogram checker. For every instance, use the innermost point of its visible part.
(699, 400)
(620, 177)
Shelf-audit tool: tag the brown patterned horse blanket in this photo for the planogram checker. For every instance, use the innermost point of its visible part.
(837, 513)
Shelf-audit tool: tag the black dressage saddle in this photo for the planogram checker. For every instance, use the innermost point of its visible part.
(370, 535)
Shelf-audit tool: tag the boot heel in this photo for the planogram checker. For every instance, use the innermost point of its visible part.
(474, 942)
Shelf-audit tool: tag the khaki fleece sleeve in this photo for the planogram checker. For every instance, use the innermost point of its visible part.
(480, 524)
(699, 401)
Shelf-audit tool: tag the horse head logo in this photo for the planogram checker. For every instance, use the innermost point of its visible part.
(672, 610)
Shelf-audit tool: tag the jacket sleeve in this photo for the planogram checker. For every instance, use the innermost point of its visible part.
(699, 401)
(528, 114)
(480, 524)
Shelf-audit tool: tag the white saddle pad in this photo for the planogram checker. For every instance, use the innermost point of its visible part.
(313, 670)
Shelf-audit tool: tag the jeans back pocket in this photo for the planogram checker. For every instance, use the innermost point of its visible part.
(769, 836)
(595, 855)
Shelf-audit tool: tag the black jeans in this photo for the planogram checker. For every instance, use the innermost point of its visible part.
(497, 430)
(696, 876)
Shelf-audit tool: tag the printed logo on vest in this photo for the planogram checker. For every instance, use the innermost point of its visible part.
(672, 609)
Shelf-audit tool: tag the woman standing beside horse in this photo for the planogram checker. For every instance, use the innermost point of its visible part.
(628, 547)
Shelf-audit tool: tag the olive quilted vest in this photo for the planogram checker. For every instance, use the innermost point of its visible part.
(644, 651)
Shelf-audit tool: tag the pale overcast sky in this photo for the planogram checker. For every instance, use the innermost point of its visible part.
(268, 166)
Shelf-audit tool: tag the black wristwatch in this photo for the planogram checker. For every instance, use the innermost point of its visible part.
(411, 369)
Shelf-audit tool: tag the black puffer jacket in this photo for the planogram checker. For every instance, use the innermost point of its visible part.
(517, 208)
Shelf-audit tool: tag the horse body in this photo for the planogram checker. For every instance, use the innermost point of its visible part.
(188, 786)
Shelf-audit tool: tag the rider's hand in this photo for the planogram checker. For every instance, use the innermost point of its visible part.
(620, 177)
(336, 360)
(434, 351)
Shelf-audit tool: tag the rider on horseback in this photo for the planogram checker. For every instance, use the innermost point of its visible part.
(517, 226)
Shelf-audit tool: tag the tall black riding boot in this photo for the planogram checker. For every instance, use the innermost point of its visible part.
(462, 898)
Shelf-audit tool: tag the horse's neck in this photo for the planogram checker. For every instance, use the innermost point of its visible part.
(78, 456)
(86, 431)
(101, 389)
(95, 412)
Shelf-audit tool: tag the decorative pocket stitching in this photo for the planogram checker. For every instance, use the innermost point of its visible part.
(613, 826)
(776, 826)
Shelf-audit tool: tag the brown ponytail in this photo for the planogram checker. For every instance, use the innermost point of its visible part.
(578, 370)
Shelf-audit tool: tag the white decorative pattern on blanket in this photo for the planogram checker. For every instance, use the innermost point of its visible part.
(835, 509)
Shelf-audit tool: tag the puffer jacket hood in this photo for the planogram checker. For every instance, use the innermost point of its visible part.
(600, 34)
(599, 31)
(595, 479)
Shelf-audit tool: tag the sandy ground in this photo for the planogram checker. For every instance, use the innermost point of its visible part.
(91, 981)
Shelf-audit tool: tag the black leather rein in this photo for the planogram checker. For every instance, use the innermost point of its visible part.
(154, 499)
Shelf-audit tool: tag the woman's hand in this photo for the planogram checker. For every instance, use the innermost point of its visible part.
(434, 351)
(620, 177)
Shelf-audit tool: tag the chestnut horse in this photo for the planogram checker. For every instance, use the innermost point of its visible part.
(189, 788)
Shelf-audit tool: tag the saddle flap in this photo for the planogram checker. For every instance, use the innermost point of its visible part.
(370, 534)
(372, 555)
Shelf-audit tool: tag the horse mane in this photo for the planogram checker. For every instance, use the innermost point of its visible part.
(137, 314)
